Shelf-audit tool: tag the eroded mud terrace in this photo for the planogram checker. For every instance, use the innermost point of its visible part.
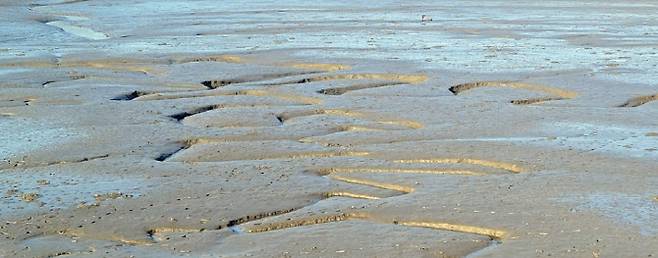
(216, 129)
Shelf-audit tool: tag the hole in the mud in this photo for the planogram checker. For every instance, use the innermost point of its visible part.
(280, 118)
(45, 20)
(214, 84)
(182, 115)
(167, 155)
(131, 96)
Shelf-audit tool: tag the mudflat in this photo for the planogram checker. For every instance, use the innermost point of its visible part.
(332, 129)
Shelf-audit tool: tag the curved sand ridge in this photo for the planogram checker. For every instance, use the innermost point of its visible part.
(556, 93)
(112, 64)
(257, 223)
(331, 173)
(286, 116)
(327, 131)
(639, 101)
(251, 224)
(247, 60)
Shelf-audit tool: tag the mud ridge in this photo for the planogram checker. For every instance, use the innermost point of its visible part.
(184, 145)
(639, 101)
(132, 95)
(382, 170)
(534, 100)
(285, 116)
(23, 165)
(556, 93)
(493, 234)
(71, 78)
(301, 155)
(226, 58)
(301, 222)
(182, 115)
(328, 195)
(215, 58)
(153, 233)
(213, 84)
(248, 218)
(343, 90)
(142, 96)
(485, 163)
(60, 3)
(399, 78)
(372, 183)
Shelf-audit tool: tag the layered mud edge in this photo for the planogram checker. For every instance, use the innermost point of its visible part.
(335, 218)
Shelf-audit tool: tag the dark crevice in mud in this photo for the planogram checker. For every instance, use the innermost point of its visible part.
(132, 95)
(182, 145)
(288, 115)
(198, 59)
(71, 78)
(280, 118)
(314, 220)
(343, 90)
(45, 20)
(47, 82)
(59, 254)
(165, 156)
(466, 86)
(388, 77)
(60, 3)
(20, 164)
(534, 100)
(182, 115)
(185, 114)
(151, 233)
(639, 101)
(249, 218)
(168, 95)
(301, 81)
(80, 160)
(555, 93)
(213, 84)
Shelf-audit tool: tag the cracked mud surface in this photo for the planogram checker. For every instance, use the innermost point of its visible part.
(209, 129)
